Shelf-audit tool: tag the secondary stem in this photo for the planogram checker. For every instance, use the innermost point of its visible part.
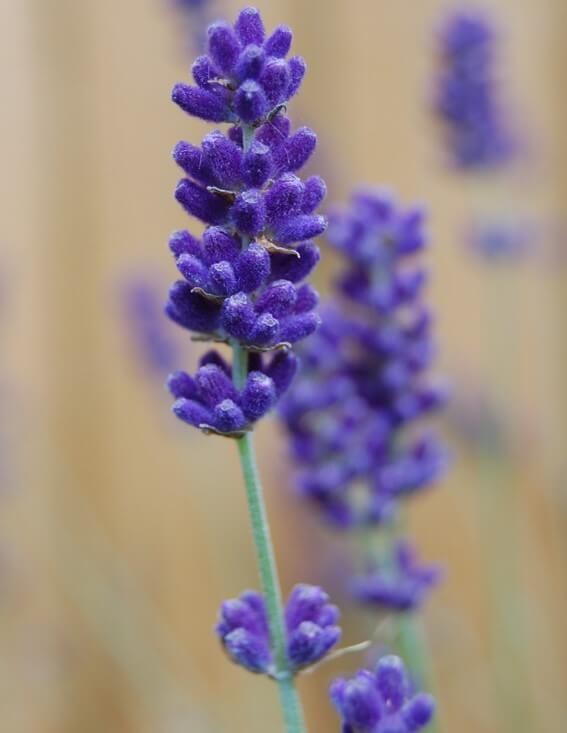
(290, 702)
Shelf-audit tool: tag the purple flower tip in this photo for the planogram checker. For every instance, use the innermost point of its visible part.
(311, 623)
(381, 702)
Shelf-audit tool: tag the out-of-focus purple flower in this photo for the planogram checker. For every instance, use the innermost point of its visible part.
(144, 311)
(502, 239)
(467, 98)
(311, 625)
(243, 279)
(400, 585)
(381, 701)
(364, 377)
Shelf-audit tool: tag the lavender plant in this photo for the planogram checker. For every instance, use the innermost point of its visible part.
(243, 286)
(477, 136)
(354, 414)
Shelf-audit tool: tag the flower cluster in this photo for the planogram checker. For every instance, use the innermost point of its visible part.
(243, 280)
(365, 373)
(381, 702)
(401, 585)
(245, 76)
(311, 623)
(467, 97)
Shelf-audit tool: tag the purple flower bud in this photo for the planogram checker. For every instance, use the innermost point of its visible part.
(258, 396)
(296, 150)
(201, 204)
(238, 316)
(214, 385)
(250, 63)
(224, 46)
(297, 68)
(182, 242)
(248, 213)
(191, 310)
(203, 72)
(193, 270)
(180, 384)
(281, 370)
(228, 417)
(219, 245)
(298, 228)
(279, 43)
(224, 159)
(278, 298)
(296, 328)
(315, 192)
(201, 103)
(418, 712)
(249, 27)
(295, 269)
(257, 165)
(191, 160)
(265, 330)
(250, 102)
(222, 278)
(191, 412)
(284, 198)
(275, 80)
(392, 681)
(252, 267)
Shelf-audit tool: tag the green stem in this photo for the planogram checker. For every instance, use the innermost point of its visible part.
(290, 702)
(410, 637)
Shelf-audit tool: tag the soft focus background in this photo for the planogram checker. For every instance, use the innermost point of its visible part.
(122, 530)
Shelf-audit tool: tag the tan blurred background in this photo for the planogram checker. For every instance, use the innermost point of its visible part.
(120, 530)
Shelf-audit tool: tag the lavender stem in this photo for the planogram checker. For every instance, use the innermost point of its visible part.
(289, 698)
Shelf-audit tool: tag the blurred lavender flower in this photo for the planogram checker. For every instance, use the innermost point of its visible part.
(144, 312)
(311, 623)
(400, 586)
(242, 281)
(194, 15)
(381, 702)
(467, 100)
(364, 379)
(502, 239)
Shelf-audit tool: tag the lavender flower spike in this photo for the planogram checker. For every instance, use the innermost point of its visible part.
(467, 100)
(243, 285)
(403, 586)
(243, 280)
(311, 623)
(365, 379)
(381, 701)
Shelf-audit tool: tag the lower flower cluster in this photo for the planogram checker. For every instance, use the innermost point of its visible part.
(401, 585)
(311, 624)
(381, 701)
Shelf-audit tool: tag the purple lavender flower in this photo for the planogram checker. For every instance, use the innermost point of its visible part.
(244, 76)
(365, 372)
(381, 702)
(243, 279)
(402, 585)
(467, 98)
(311, 624)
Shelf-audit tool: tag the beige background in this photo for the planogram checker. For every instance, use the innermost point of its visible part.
(121, 531)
